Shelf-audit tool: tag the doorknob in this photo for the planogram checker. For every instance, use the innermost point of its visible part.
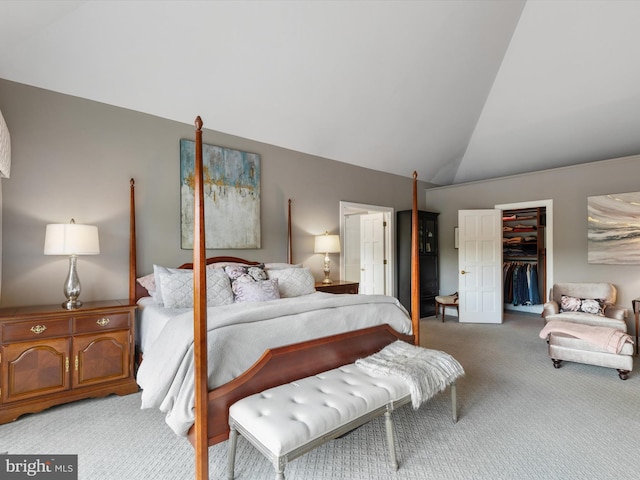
(463, 272)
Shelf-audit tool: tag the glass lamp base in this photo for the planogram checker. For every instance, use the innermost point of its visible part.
(71, 288)
(72, 304)
(327, 270)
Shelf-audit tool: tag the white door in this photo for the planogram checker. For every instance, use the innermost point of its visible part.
(372, 261)
(480, 266)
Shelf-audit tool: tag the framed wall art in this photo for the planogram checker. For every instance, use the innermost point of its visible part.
(613, 232)
(231, 196)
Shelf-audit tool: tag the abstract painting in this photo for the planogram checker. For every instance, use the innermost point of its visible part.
(231, 196)
(613, 235)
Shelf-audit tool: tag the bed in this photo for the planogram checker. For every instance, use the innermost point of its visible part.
(260, 344)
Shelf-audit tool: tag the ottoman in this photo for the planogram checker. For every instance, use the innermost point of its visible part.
(571, 349)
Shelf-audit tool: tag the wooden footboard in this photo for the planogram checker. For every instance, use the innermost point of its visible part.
(292, 362)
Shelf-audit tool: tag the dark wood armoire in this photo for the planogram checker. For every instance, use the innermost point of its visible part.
(428, 252)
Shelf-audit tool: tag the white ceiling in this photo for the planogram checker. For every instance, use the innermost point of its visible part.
(456, 90)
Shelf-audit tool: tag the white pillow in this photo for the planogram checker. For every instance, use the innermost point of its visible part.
(177, 289)
(218, 288)
(293, 282)
(157, 270)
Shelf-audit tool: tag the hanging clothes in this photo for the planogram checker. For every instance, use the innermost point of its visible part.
(520, 282)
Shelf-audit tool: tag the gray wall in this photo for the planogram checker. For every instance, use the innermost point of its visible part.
(569, 188)
(74, 158)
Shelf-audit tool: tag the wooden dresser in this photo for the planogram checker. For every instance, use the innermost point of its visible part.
(49, 355)
(338, 287)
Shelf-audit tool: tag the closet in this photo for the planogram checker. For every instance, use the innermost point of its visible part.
(524, 256)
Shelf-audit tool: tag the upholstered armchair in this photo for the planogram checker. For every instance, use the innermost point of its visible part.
(603, 296)
(590, 305)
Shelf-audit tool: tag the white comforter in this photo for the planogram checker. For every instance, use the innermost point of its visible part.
(240, 333)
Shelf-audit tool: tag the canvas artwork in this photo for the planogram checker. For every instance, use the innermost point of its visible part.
(231, 196)
(613, 235)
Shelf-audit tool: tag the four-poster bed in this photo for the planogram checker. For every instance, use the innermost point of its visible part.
(285, 363)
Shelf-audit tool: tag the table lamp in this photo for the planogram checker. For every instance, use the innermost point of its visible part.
(327, 244)
(71, 239)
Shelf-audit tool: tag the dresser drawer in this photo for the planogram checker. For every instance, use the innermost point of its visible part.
(99, 322)
(352, 289)
(35, 329)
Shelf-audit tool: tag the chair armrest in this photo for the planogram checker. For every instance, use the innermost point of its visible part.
(614, 311)
(551, 308)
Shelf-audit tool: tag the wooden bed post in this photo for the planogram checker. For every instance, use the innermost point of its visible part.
(132, 243)
(289, 243)
(200, 317)
(415, 264)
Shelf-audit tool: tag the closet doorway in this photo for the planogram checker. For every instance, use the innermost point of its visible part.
(548, 244)
(368, 247)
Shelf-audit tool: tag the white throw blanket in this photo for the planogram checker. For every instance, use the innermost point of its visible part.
(426, 371)
(606, 338)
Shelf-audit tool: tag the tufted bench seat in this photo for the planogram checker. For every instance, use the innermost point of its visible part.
(290, 420)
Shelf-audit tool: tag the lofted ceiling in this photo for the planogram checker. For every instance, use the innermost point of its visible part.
(456, 90)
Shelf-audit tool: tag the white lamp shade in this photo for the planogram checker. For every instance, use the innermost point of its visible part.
(327, 244)
(5, 149)
(71, 239)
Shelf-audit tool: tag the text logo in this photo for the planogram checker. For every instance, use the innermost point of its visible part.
(39, 467)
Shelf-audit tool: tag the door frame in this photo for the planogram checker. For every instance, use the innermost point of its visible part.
(548, 243)
(350, 208)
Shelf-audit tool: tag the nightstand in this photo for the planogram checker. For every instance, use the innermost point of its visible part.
(50, 356)
(338, 287)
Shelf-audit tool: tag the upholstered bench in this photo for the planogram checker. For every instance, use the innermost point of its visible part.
(290, 420)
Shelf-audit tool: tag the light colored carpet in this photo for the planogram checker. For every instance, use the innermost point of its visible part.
(519, 418)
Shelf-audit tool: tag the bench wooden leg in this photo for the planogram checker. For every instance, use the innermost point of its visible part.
(233, 441)
(279, 463)
(390, 439)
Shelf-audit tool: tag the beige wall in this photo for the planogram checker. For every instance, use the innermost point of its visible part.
(569, 188)
(74, 157)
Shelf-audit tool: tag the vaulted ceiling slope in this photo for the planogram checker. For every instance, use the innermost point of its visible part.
(457, 90)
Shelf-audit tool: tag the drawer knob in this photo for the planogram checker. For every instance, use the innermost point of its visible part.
(103, 321)
(38, 329)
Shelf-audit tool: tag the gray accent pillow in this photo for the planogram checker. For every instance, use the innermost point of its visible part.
(157, 270)
(177, 289)
(293, 282)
